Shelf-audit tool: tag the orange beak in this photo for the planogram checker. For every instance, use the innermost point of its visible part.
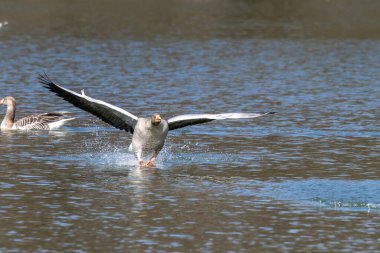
(2, 101)
(156, 119)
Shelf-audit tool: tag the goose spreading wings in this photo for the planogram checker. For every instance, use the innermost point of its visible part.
(148, 134)
(44, 121)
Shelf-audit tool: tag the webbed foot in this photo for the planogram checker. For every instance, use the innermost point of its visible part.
(150, 164)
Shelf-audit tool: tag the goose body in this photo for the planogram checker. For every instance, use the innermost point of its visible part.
(148, 134)
(147, 137)
(43, 121)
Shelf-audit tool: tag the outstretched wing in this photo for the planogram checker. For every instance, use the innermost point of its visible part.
(110, 114)
(193, 119)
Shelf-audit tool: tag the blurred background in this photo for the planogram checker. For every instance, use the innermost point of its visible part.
(197, 19)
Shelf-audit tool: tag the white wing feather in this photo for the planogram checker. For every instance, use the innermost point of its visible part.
(193, 119)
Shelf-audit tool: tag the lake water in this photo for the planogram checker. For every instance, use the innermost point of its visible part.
(303, 180)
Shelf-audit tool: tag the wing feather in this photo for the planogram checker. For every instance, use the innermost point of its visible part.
(109, 113)
(194, 119)
(39, 121)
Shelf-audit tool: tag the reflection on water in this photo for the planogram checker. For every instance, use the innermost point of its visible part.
(303, 180)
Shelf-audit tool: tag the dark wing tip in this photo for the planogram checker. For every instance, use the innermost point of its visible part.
(44, 79)
(81, 103)
(271, 112)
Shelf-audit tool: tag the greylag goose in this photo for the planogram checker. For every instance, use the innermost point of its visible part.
(148, 134)
(44, 121)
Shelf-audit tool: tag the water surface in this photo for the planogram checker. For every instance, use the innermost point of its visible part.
(304, 179)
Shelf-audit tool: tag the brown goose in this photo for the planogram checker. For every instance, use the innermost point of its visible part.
(148, 134)
(44, 121)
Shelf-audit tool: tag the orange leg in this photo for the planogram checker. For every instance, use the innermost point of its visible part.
(151, 160)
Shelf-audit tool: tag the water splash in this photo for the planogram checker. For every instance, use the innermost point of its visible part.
(109, 158)
(109, 150)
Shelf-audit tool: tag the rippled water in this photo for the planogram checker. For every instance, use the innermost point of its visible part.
(304, 179)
